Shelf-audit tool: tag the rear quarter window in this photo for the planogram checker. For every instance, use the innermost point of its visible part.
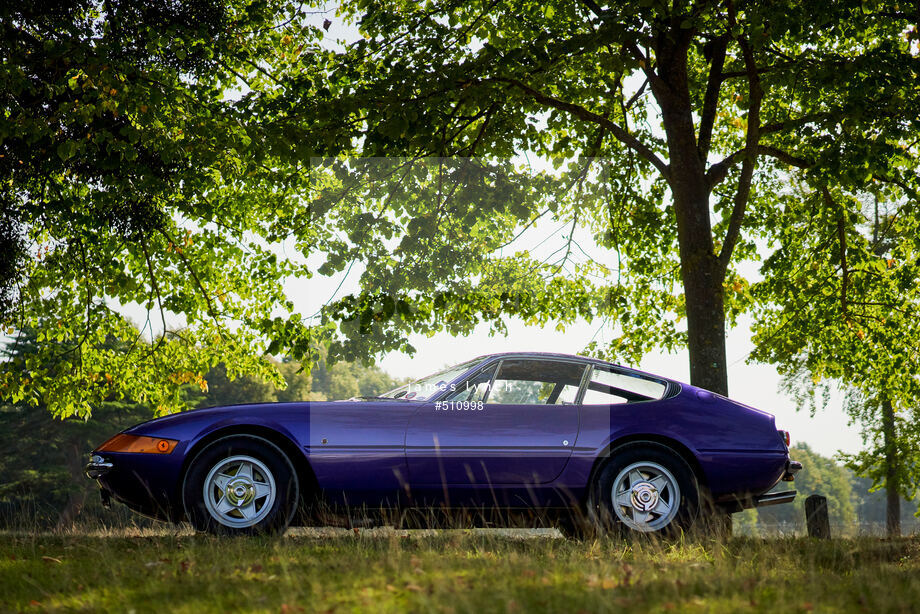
(611, 387)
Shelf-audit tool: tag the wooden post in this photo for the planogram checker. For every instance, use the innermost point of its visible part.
(816, 517)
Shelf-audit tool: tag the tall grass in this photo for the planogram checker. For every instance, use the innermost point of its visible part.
(155, 569)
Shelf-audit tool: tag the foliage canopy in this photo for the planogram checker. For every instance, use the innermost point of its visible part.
(158, 155)
(694, 113)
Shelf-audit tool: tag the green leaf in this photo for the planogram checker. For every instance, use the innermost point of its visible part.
(66, 150)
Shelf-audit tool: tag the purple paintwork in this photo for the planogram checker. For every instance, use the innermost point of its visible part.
(398, 453)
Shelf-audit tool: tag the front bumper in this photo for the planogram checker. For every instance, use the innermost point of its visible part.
(97, 467)
(146, 483)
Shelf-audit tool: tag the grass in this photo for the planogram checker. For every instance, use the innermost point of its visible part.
(452, 571)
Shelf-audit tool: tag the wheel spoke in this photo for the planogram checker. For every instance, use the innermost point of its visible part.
(262, 489)
(248, 511)
(660, 483)
(635, 477)
(624, 498)
(245, 470)
(662, 507)
(220, 480)
(224, 506)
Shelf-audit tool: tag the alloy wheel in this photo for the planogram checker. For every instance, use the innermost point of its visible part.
(645, 496)
(239, 491)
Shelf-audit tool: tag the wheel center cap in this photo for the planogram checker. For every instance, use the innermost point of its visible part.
(240, 492)
(644, 496)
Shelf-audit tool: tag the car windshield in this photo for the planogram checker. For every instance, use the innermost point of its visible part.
(423, 389)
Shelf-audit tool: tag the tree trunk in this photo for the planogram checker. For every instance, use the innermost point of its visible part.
(701, 272)
(705, 321)
(702, 277)
(892, 485)
(77, 498)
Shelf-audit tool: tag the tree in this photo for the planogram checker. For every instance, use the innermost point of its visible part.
(173, 148)
(855, 504)
(133, 173)
(221, 390)
(872, 506)
(42, 458)
(146, 161)
(325, 381)
(344, 380)
(697, 107)
(840, 306)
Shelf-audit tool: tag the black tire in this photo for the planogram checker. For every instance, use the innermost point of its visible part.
(667, 510)
(260, 487)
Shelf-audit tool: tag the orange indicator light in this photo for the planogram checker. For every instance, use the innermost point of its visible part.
(138, 444)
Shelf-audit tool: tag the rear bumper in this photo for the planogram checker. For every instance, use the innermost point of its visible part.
(736, 503)
(774, 498)
(792, 467)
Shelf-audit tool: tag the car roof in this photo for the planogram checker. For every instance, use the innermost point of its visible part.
(547, 355)
(577, 357)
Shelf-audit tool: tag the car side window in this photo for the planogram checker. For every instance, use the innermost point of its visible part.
(611, 387)
(536, 382)
(475, 388)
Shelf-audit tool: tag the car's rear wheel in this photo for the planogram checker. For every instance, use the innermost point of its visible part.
(645, 488)
(242, 485)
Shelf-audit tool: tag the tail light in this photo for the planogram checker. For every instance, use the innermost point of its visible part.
(786, 438)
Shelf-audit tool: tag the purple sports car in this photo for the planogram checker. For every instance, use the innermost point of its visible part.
(567, 440)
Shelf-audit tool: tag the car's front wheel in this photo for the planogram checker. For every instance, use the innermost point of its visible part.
(646, 488)
(242, 485)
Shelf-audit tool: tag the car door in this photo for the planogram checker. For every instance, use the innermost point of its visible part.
(356, 450)
(511, 423)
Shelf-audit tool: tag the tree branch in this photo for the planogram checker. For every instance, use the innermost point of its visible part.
(594, 8)
(191, 271)
(644, 63)
(718, 171)
(734, 74)
(584, 114)
(635, 96)
(568, 246)
(842, 238)
(783, 156)
(792, 123)
(711, 98)
(156, 289)
(751, 140)
(910, 191)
